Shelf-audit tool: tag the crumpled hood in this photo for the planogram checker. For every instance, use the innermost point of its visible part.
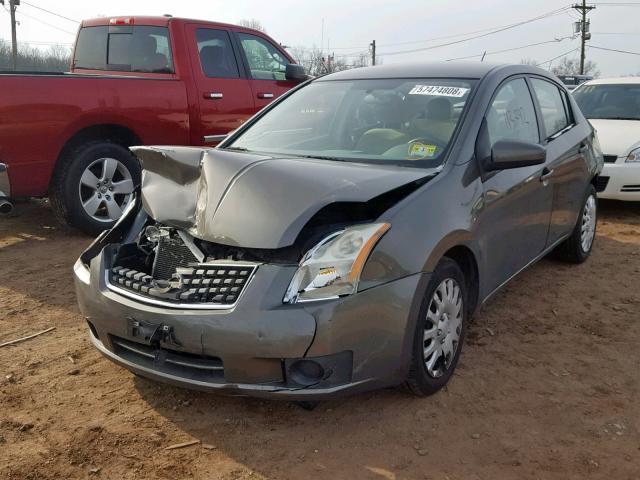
(250, 200)
(616, 136)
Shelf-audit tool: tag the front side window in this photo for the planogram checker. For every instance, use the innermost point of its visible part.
(408, 121)
(216, 54)
(616, 102)
(125, 49)
(265, 61)
(512, 115)
(554, 113)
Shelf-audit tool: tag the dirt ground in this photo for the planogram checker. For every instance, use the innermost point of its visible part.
(548, 386)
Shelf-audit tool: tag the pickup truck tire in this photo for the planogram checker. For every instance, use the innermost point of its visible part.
(93, 184)
(577, 248)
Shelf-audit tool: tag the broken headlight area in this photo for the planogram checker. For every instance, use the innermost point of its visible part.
(131, 215)
(332, 268)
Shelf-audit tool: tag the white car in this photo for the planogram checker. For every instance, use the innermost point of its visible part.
(613, 107)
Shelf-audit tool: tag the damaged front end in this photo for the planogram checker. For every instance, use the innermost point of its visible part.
(205, 287)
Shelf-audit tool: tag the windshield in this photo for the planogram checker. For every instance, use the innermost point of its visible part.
(620, 102)
(407, 121)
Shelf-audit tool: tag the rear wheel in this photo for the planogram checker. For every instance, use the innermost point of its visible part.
(93, 185)
(440, 330)
(577, 248)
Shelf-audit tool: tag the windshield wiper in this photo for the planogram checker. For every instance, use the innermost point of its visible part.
(236, 149)
(615, 118)
(323, 157)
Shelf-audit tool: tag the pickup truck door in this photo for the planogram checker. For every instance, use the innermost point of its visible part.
(513, 224)
(266, 66)
(224, 93)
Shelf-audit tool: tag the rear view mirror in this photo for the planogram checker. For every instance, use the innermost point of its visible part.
(514, 154)
(295, 73)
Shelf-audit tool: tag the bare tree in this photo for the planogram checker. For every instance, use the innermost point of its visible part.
(57, 58)
(252, 23)
(570, 66)
(315, 62)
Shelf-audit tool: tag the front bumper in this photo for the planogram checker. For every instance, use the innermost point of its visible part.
(362, 341)
(622, 181)
(5, 185)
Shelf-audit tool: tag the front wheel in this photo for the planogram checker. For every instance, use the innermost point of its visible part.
(93, 185)
(577, 248)
(440, 330)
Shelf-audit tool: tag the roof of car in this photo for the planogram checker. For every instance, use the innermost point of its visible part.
(614, 81)
(442, 69)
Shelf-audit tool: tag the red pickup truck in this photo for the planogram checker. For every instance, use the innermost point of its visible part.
(133, 81)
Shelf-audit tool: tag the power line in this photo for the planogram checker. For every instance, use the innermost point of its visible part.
(614, 50)
(498, 30)
(510, 49)
(47, 23)
(50, 12)
(559, 56)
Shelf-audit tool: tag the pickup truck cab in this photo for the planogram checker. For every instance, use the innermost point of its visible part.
(133, 81)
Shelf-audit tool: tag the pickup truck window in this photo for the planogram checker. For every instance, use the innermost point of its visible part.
(265, 61)
(124, 48)
(216, 54)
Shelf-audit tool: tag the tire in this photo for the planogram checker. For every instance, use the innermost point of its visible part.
(110, 194)
(574, 249)
(426, 374)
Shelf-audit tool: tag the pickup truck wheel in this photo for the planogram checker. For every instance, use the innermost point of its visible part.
(577, 248)
(440, 330)
(93, 185)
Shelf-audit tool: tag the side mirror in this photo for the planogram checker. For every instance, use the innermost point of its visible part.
(515, 154)
(295, 73)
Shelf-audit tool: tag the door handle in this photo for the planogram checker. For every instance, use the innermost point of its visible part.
(265, 95)
(213, 95)
(546, 175)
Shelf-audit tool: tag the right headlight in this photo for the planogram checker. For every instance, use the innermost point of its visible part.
(332, 268)
(634, 155)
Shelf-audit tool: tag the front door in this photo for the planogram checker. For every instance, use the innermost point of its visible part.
(514, 221)
(225, 99)
(266, 65)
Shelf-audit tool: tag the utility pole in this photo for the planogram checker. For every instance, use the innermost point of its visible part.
(584, 29)
(373, 52)
(14, 44)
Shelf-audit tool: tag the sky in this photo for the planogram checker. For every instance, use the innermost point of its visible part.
(344, 27)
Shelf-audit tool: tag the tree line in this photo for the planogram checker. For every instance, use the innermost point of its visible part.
(56, 58)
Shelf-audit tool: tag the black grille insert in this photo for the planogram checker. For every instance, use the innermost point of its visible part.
(610, 158)
(601, 183)
(187, 365)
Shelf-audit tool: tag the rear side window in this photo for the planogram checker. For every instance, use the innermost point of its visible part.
(512, 115)
(216, 54)
(554, 110)
(266, 62)
(124, 48)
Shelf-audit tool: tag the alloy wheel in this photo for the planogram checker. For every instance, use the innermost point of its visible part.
(443, 327)
(588, 227)
(105, 189)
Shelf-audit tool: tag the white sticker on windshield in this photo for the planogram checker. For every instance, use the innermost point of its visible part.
(438, 91)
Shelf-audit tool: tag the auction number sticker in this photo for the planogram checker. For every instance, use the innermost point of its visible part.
(438, 91)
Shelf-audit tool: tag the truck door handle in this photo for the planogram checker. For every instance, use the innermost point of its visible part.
(265, 95)
(213, 95)
(546, 175)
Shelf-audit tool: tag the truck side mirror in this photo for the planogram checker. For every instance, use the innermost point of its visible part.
(295, 73)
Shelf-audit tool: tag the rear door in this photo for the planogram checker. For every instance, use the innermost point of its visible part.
(266, 66)
(566, 150)
(517, 204)
(225, 99)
